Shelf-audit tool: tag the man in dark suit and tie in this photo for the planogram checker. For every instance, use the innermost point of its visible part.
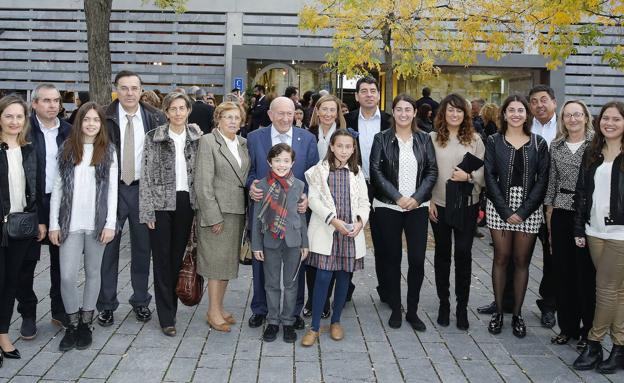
(259, 110)
(368, 120)
(259, 142)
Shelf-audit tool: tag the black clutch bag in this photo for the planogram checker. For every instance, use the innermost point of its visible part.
(470, 163)
(21, 225)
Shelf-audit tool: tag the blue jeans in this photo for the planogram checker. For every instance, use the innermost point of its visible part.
(321, 285)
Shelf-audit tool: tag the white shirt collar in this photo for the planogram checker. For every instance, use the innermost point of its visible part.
(57, 124)
(551, 122)
(375, 116)
(137, 115)
(233, 141)
(331, 131)
(275, 133)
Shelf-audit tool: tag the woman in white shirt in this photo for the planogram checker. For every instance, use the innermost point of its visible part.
(83, 214)
(167, 200)
(599, 224)
(18, 165)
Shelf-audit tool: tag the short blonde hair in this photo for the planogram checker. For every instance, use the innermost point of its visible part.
(169, 98)
(562, 131)
(489, 113)
(226, 107)
(9, 100)
(340, 120)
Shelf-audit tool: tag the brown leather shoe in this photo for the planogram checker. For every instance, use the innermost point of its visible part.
(224, 327)
(309, 338)
(335, 331)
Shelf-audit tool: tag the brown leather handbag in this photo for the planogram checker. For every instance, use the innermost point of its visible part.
(190, 286)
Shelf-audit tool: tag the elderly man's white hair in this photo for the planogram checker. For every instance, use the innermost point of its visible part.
(281, 100)
(323, 92)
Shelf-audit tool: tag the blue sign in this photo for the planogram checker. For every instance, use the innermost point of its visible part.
(238, 83)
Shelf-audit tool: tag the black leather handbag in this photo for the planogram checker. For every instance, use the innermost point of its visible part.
(21, 225)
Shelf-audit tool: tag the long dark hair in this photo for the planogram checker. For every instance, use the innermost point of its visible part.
(594, 152)
(407, 98)
(73, 147)
(466, 132)
(331, 157)
(526, 128)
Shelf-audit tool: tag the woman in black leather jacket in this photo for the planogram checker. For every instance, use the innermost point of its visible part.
(516, 176)
(18, 169)
(599, 224)
(403, 173)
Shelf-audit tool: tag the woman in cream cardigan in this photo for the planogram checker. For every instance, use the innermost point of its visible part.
(338, 198)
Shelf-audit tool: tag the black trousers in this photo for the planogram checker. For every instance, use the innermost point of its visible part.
(11, 259)
(392, 225)
(576, 277)
(168, 241)
(444, 235)
(26, 298)
(548, 284)
(377, 248)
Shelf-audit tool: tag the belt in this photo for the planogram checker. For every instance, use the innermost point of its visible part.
(566, 191)
(133, 183)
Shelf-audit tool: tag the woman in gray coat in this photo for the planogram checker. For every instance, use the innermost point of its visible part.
(222, 167)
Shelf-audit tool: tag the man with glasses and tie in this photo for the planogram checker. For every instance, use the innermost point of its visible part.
(127, 120)
(259, 142)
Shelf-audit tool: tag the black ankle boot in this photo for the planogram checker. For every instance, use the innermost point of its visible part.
(496, 323)
(84, 338)
(590, 357)
(461, 313)
(71, 332)
(444, 313)
(395, 319)
(613, 362)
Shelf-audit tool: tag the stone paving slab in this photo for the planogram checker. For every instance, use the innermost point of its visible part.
(133, 351)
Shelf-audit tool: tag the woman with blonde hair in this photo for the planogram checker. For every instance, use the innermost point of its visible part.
(489, 114)
(222, 168)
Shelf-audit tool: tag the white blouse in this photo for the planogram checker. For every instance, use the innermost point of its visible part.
(179, 141)
(82, 216)
(323, 140)
(232, 146)
(17, 180)
(408, 174)
(601, 205)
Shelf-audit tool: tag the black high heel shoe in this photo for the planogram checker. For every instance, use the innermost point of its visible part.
(518, 326)
(496, 324)
(15, 354)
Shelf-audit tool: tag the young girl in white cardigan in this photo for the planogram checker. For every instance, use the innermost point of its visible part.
(338, 198)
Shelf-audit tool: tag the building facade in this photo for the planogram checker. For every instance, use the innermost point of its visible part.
(221, 44)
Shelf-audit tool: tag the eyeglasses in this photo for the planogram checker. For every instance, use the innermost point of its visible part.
(174, 110)
(576, 115)
(231, 117)
(328, 110)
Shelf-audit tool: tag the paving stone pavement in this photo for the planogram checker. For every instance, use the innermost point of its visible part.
(132, 351)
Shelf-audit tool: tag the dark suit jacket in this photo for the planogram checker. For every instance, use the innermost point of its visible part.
(352, 119)
(202, 115)
(152, 119)
(432, 103)
(259, 114)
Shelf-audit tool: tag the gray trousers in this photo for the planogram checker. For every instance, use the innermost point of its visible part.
(70, 255)
(273, 260)
(127, 208)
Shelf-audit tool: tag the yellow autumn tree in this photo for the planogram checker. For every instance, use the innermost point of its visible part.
(407, 37)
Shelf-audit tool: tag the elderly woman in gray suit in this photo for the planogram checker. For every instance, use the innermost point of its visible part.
(222, 167)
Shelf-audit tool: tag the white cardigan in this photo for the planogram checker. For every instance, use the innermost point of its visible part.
(321, 202)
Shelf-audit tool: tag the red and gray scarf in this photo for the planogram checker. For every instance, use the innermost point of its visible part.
(273, 210)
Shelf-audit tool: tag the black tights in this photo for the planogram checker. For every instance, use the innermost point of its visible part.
(514, 245)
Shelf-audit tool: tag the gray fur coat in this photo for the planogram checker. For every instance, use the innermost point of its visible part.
(66, 172)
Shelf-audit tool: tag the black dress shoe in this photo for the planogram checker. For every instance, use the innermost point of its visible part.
(290, 336)
(326, 313)
(169, 330)
(256, 320)
(496, 324)
(487, 309)
(106, 318)
(548, 319)
(143, 313)
(299, 323)
(28, 330)
(462, 318)
(270, 333)
(15, 354)
(396, 319)
(590, 357)
(307, 312)
(613, 362)
(415, 322)
(518, 327)
(444, 313)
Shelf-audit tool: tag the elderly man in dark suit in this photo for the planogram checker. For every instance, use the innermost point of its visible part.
(368, 120)
(259, 142)
(128, 120)
(202, 113)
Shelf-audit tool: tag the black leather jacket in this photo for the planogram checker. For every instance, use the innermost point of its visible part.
(583, 196)
(384, 166)
(499, 159)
